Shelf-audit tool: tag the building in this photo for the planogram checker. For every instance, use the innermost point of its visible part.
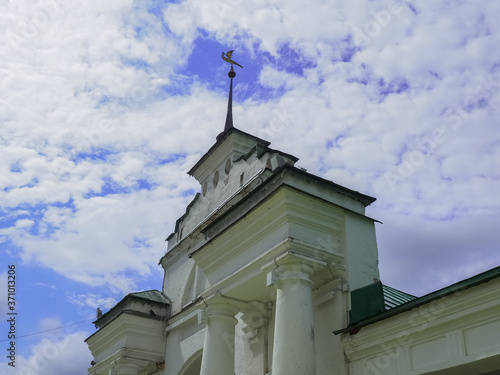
(272, 270)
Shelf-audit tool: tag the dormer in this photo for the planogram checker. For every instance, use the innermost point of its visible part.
(219, 159)
(229, 166)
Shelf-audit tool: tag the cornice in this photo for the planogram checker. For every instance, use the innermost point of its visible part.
(126, 324)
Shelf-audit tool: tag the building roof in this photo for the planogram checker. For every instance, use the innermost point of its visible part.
(151, 297)
(416, 302)
(394, 297)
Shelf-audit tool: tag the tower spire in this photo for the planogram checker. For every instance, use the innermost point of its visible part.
(229, 117)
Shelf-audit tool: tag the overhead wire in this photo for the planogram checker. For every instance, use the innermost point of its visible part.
(48, 330)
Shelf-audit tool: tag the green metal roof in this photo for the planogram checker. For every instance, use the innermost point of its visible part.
(416, 302)
(394, 297)
(154, 296)
(150, 295)
(374, 299)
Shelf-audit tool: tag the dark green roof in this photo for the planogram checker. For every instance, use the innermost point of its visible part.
(150, 295)
(454, 288)
(373, 299)
(394, 297)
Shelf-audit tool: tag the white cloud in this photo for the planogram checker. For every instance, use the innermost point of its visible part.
(92, 300)
(57, 354)
(355, 113)
(369, 88)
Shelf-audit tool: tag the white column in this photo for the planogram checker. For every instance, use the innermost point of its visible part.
(218, 349)
(293, 352)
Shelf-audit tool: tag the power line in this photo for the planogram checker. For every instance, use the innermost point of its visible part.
(48, 330)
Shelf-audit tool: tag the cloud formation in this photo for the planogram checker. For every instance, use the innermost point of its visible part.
(101, 118)
(55, 354)
(105, 106)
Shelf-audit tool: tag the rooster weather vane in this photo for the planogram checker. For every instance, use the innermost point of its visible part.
(227, 57)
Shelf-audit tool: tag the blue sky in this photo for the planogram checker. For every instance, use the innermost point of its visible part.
(104, 107)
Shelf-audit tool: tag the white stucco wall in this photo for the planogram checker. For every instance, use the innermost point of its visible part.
(330, 313)
(175, 281)
(361, 251)
(183, 343)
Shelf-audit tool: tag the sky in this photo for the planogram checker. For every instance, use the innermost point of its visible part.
(104, 107)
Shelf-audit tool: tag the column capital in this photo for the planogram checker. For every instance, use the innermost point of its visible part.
(127, 365)
(292, 258)
(292, 266)
(218, 306)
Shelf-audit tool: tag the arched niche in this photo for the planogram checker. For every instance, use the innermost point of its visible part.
(192, 365)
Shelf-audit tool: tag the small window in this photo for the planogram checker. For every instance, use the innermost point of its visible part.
(204, 188)
(242, 176)
(216, 178)
(228, 166)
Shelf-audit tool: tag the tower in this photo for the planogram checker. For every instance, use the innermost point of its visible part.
(260, 267)
(257, 273)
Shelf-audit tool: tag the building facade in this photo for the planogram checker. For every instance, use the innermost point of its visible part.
(273, 270)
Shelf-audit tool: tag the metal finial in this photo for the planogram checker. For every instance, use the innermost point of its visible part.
(229, 116)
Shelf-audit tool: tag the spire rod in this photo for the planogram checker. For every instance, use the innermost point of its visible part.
(229, 116)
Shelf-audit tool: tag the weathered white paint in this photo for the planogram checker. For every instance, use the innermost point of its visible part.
(218, 348)
(129, 341)
(261, 217)
(294, 352)
(361, 251)
(184, 343)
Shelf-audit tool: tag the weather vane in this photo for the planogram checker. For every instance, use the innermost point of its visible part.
(227, 57)
(231, 74)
